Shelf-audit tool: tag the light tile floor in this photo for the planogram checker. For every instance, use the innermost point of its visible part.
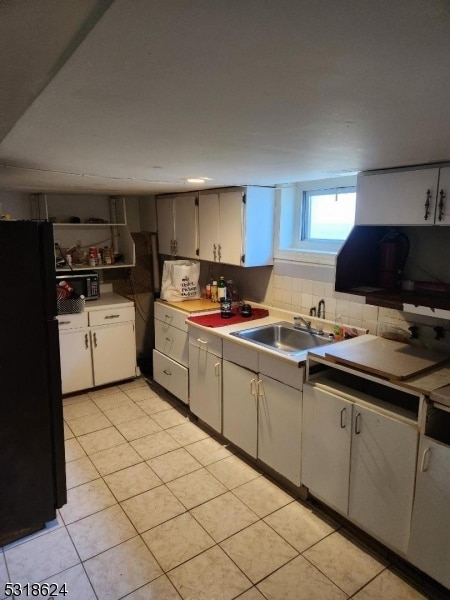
(159, 509)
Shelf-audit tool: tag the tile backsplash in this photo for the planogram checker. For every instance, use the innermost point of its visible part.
(298, 287)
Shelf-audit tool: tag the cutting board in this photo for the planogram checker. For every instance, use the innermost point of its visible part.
(190, 306)
(386, 358)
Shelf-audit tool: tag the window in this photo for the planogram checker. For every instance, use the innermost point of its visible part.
(328, 214)
(314, 218)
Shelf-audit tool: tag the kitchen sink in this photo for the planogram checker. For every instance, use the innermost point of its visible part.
(283, 337)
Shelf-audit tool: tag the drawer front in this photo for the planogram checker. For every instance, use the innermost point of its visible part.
(76, 321)
(280, 370)
(171, 375)
(240, 355)
(111, 315)
(171, 341)
(171, 316)
(206, 341)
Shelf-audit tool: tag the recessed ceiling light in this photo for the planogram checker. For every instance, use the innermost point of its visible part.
(198, 179)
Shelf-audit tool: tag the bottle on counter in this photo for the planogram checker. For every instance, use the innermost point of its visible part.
(208, 291)
(214, 288)
(222, 289)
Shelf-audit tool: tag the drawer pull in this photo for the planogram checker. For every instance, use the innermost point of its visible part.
(112, 316)
(167, 317)
(358, 424)
(86, 340)
(343, 411)
(201, 341)
(253, 387)
(167, 372)
(169, 339)
(95, 340)
(217, 369)
(425, 461)
(260, 387)
(65, 322)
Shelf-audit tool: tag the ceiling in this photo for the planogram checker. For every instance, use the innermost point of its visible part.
(137, 96)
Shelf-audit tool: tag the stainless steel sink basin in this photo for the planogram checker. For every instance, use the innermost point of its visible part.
(283, 337)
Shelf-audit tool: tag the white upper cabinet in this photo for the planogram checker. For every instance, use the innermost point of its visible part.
(397, 198)
(236, 226)
(177, 225)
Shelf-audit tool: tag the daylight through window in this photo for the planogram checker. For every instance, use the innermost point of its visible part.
(328, 214)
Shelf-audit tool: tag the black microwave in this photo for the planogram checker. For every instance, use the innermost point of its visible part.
(85, 283)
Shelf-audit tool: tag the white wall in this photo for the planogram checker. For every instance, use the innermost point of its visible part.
(15, 204)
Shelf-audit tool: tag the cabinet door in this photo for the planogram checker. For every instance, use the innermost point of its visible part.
(443, 197)
(396, 198)
(205, 386)
(382, 467)
(208, 226)
(240, 407)
(279, 427)
(166, 224)
(326, 442)
(185, 211)
(113, 352)
(429, 546)
(230, 227)
(76, 362)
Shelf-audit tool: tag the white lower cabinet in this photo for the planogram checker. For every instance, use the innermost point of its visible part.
(327, 426)
(171, 375)
(262, 415)
(205, 386)
(429, 546)
(113, 352)
(361, 462)
(240, 407)
(170, 356)
(93, 354)
(76, 360)
(205, 377)
(279, 427)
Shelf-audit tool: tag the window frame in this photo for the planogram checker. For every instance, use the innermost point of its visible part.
(288, 244)
(305, 213)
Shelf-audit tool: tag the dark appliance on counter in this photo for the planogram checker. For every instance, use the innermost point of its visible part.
(85, 283)
(32, 461)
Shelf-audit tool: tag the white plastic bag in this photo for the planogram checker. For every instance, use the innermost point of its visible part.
(180, 280)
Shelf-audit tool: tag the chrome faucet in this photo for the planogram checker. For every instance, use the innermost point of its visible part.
(298, 320)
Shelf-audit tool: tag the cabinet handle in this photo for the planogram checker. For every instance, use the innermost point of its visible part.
(201, 341)
(217, 369)
(259, 384)
(112, 316)
(167, 317)
(214, 252)
(253, 387)
(441, 205)
(95, 340)
(169, 339)
(343, 411)
(65, 322)
(86, 340)
(219, 251)
(425, 461)
(427, 205)
(172, 246)
(358, 424)
(167, 372)
(175, 247)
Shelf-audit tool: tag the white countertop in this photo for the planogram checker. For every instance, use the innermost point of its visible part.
(107, 299)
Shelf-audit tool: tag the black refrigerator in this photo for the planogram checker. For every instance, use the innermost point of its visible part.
(32, 462)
